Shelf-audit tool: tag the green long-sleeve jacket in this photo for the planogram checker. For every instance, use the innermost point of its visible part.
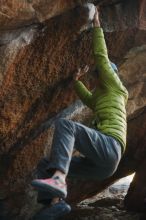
(108, 100)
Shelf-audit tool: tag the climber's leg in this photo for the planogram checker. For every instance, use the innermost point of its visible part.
(102, 150)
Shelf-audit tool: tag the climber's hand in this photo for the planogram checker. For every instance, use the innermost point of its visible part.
(96, 21)
(80, 72)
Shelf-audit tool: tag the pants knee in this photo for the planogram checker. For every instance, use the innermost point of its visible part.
(64, 127)
(63, 122)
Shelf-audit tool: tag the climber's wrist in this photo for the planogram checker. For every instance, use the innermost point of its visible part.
(96, 23)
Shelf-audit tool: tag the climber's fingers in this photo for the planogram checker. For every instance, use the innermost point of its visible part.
(81, 71)
(86, 69)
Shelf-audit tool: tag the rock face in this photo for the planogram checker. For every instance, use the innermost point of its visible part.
(102, 207)
(40, 48)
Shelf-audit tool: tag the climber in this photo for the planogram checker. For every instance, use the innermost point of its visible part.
(101, 145)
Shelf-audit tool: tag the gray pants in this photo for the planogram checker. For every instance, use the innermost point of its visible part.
(101, 153)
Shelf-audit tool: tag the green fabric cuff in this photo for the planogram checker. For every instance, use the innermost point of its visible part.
(98, 31)
(77, 84)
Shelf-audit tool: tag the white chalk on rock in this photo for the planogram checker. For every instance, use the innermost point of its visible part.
(92, 10)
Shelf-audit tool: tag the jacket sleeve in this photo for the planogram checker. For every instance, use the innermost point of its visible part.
(84, 94)
(107, 75)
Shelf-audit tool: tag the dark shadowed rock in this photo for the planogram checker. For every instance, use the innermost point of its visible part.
(40, 48)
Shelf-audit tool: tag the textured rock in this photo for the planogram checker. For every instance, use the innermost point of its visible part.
(37, 61)
(103, 208)
(138, 189)
(17, 13)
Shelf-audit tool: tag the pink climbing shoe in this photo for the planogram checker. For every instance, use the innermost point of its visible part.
(54, 185)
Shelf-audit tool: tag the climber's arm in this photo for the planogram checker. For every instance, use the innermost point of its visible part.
(107, 75)
(84, 94)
